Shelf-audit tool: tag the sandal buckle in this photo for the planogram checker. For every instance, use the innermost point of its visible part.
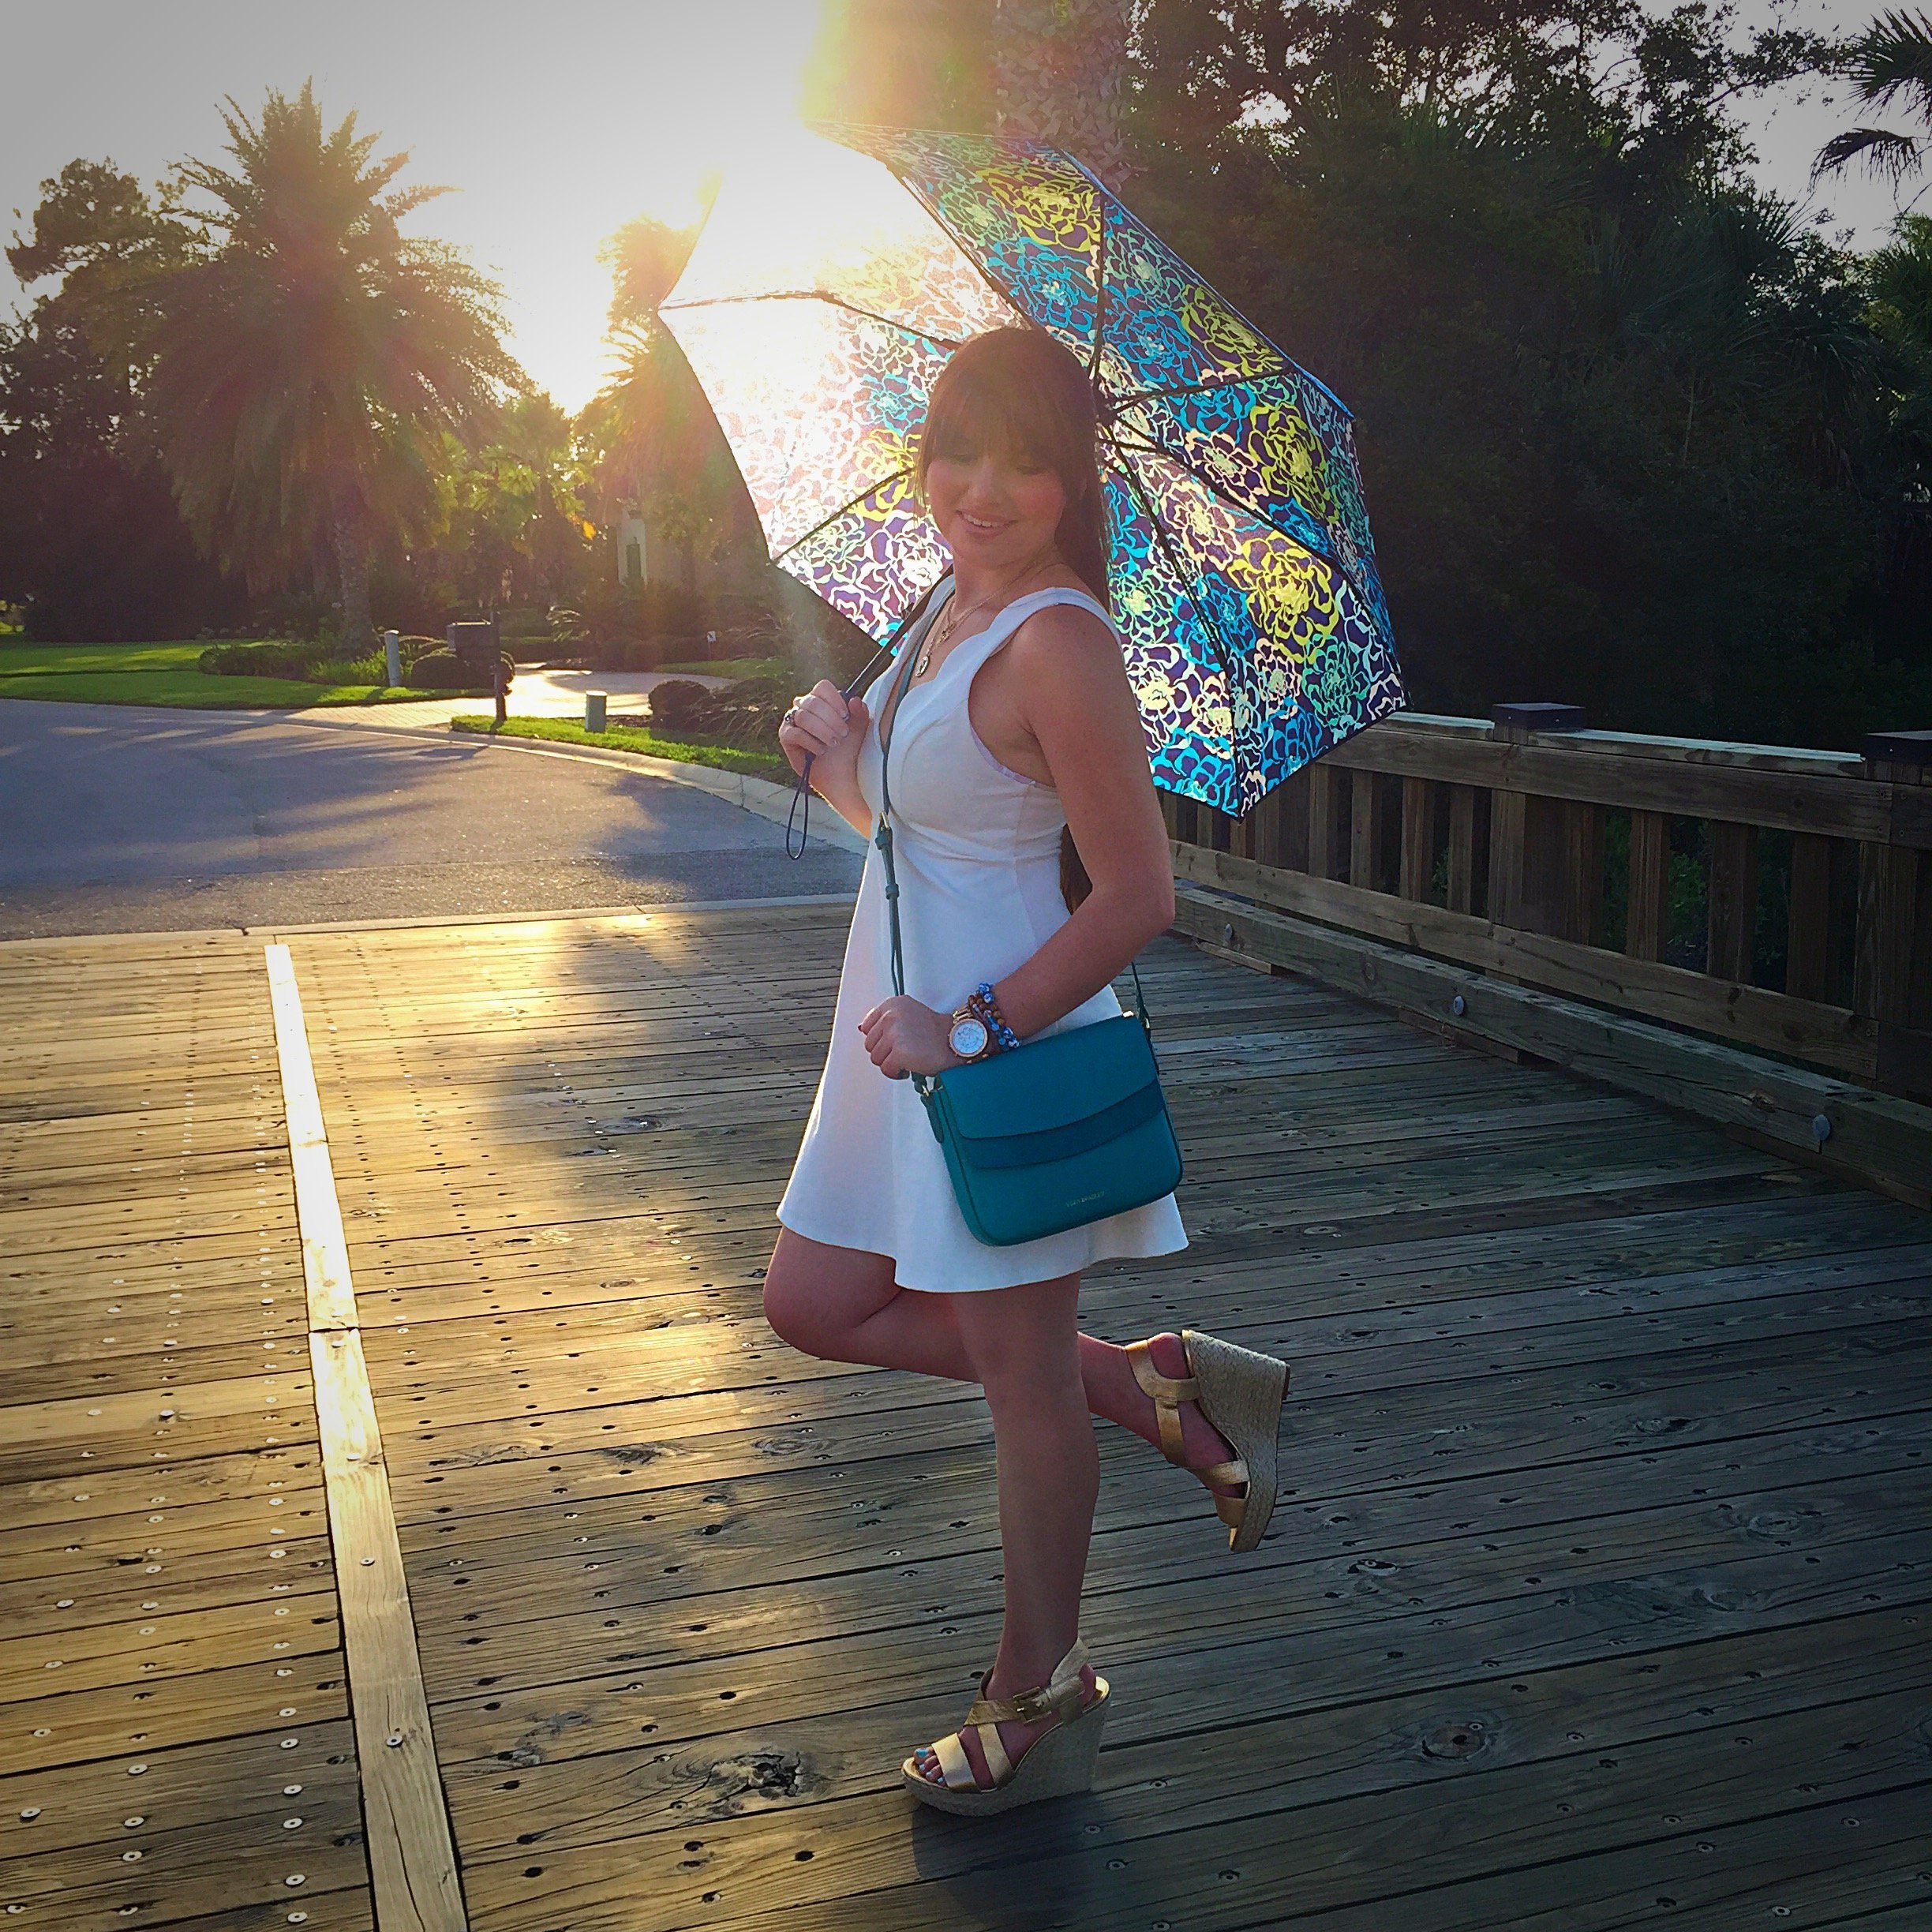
(1033, 1706)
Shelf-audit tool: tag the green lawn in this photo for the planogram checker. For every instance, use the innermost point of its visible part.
(167, 675)
(570, 731)
(736, 668)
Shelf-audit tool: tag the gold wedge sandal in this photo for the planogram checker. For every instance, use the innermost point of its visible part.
(1057, 1761)
(1241, 1394)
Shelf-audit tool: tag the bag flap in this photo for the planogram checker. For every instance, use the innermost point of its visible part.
(1050, 1083)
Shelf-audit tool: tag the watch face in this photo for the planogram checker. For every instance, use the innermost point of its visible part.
(968, 1038)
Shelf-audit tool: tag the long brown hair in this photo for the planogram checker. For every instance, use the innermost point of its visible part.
(1019, 391)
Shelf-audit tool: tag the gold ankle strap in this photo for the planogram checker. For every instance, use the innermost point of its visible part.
(1062, 1696)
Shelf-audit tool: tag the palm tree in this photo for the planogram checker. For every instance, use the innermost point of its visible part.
(1893, 57)
(654, 443)
(307, 367)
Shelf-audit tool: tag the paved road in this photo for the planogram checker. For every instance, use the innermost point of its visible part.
(114, 819)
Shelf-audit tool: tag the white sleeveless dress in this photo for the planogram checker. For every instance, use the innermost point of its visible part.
(977, 851)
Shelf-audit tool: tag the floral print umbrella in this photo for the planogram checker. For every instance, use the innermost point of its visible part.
(823, 297)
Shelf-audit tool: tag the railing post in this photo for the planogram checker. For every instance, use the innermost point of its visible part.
(1324, 820)
(1241, 835)
(1732, 901)
(1545, 855)
(1892, 969)
(1418, 839)
(1646, 923)
(1365, 831)
(1808, 929)
(1463, 848)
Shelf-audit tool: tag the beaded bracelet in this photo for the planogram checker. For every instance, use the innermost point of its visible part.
(986, 1007)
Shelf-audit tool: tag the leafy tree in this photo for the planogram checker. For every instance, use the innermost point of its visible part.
(1620, 419)
(512, 511)
(91, 542)
(307, 363)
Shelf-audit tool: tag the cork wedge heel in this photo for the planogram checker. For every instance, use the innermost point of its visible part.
(1241, 1394)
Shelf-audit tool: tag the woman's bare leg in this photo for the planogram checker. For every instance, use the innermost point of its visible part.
(843, 1304)
(1024, 1348)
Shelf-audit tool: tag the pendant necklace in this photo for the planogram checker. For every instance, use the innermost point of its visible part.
(941, 634)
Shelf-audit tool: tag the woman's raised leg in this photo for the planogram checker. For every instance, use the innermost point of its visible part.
(843, 1304)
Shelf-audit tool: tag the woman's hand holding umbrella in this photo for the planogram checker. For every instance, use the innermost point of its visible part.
(823, 726)
(820, 736)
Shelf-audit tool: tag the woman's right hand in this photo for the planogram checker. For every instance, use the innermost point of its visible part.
(826, 726)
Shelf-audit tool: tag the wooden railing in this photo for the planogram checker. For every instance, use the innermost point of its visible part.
(1776, 899)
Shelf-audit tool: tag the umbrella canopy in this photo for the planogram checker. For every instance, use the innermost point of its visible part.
(824, 297)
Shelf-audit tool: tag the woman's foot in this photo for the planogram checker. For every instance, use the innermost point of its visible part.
(1203, 1445)
(1016, 1740)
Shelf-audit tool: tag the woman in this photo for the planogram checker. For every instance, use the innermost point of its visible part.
(1017, 727)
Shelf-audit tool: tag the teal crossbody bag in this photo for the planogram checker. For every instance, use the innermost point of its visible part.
(1052, 1134)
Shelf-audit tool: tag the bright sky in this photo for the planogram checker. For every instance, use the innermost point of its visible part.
(558, 124)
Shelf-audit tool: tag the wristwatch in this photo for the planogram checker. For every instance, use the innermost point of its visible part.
(969, 1038)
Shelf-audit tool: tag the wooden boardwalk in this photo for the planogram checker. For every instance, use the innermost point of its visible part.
(1602, 1595)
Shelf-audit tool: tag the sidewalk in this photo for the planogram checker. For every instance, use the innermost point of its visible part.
(536, 693)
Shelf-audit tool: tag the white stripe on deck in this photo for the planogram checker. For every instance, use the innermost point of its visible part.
(412, 1857)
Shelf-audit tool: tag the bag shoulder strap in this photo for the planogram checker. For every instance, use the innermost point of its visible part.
(882, 838)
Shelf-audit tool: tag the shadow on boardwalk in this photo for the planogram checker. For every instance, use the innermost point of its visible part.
(1599, 1595)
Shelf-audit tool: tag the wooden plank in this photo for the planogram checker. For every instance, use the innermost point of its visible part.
(1582, 871)
(1887, 949)
(1884, 1141)
(1647, 917)
(1365, 831)
(1808, 942)
(1508, 837)
(1825, 794)
(1325, 783)
(1751, 1017)
(1731, 902)
(1418, 839)
(1463, 848)
(325, 1255)
(412, 1859)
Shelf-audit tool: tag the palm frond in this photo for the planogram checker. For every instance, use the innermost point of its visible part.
(1894, 54)
(1890, 156)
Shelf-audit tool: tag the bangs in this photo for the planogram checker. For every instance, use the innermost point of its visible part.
(977, 416)
(1014, 393)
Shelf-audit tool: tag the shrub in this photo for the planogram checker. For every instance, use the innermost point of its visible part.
(439, 670)
(443, 670)
(279, 658)
(524, 622)
(745, 713)
(679, 705)
(373, 669)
